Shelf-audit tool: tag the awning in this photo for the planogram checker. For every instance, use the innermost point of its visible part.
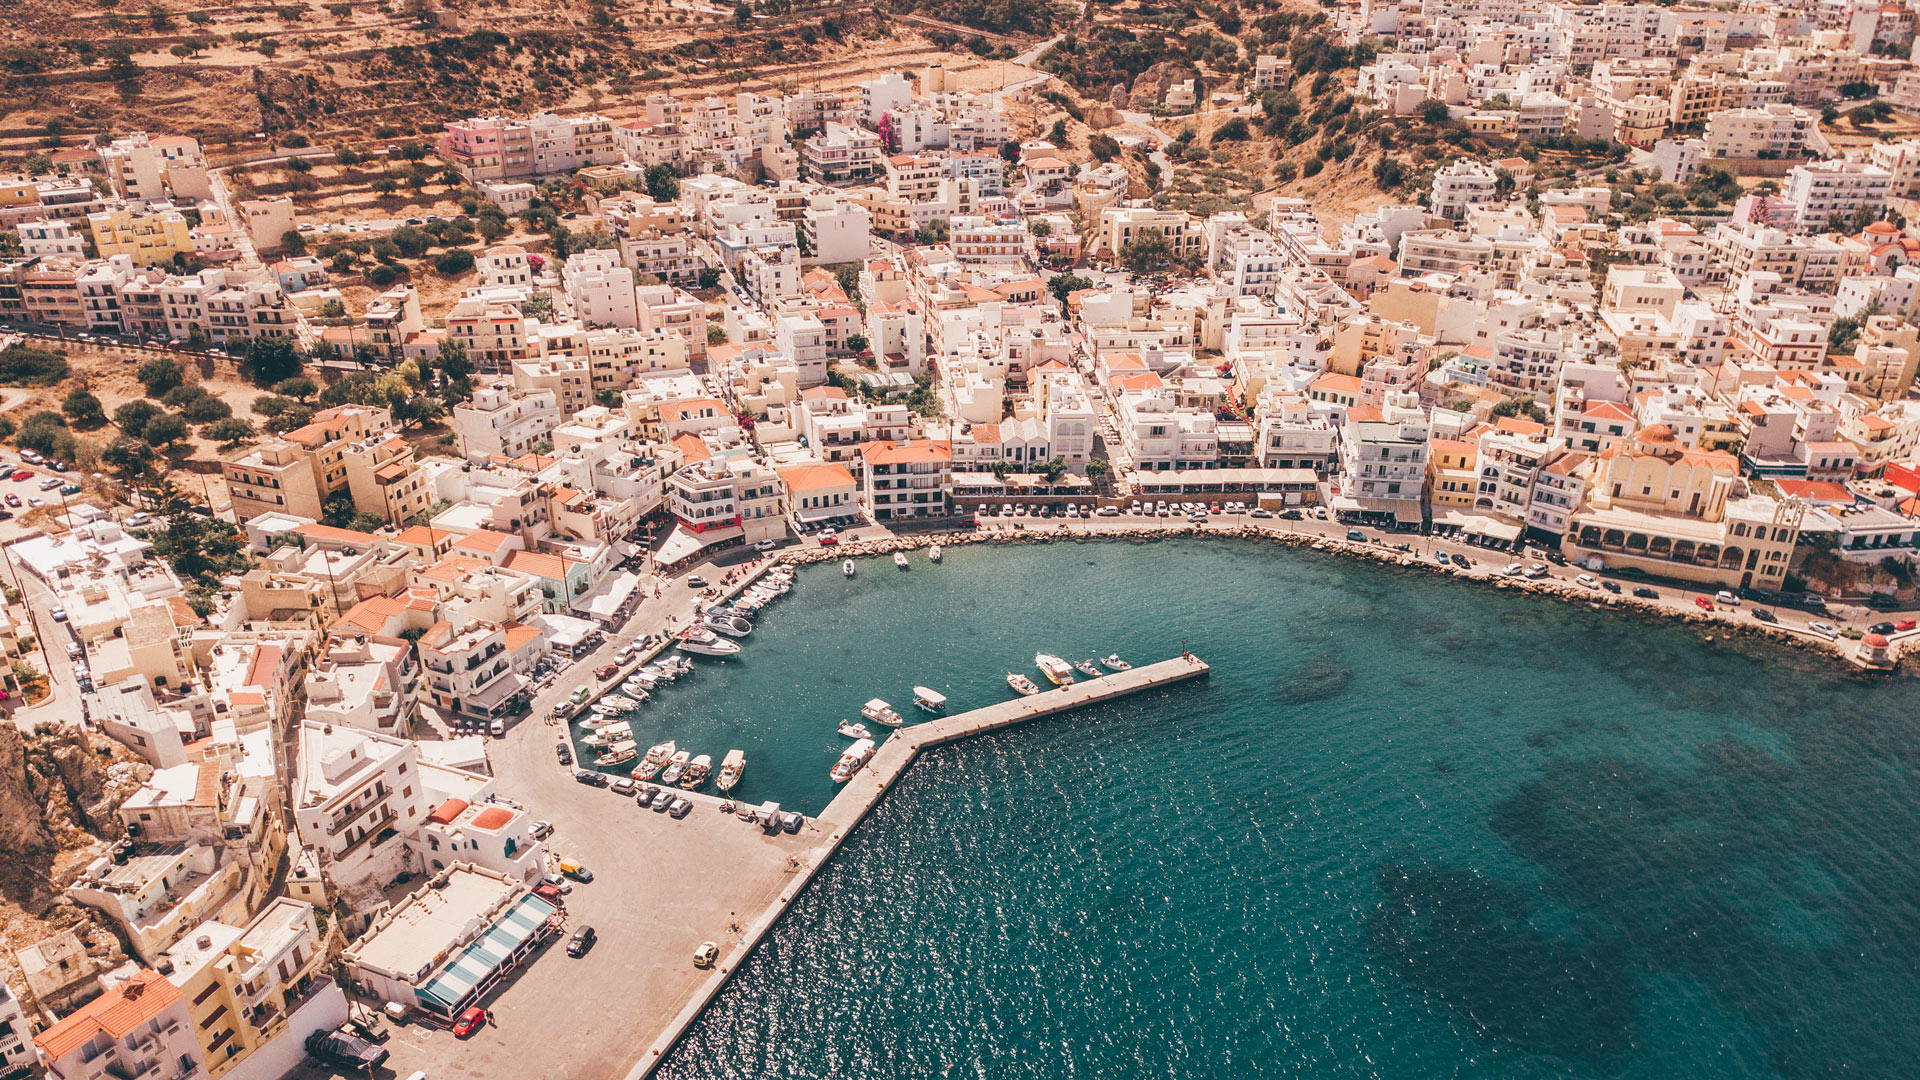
(683, 543)
(605, 601)
(486, 955)
(564, 631)
(812, 514)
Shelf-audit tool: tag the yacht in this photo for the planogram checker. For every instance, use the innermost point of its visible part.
(853, 729)
(847, 567)
(697, 772)
(677, 767)
(1057, 671)
(899, 560)
(657, 756)
(730, 625)
(1113, 662)
(703, 642)
(850, 762)
(1088, 668)
(933, 553)
(730, 768)
(1021, 683)
(929, 699)
(618, 754)
(881, 713)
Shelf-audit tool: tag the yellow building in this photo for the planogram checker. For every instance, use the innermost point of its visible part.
(242, 984)
(1452, 478)
(148, 239)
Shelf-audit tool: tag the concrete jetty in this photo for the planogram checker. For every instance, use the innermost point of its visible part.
(863, 793)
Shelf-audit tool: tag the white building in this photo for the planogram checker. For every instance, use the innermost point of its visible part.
(356, 797)
(1827, 193)
(600, 290)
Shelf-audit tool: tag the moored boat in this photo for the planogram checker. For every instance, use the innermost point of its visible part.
(603, 738)
(697, 772)
(1114, 662)
(854, 730)
(900, 560)
(847, 567)
(1057, 671)
(657, 757)
(730, 625)
(636, 688)
(677, 767)
(1021, 683)
(880, 712)
(1088, 668)
(851, 761)
(618, 754)
(703, 642)
(933, 553)
(731, 767)
(929, 699)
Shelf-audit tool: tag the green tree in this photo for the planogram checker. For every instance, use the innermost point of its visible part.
(1065, 285)
(164, 430)
(159, 376)
(709, 278)
(1523, 406)
(1146, 251)
(206, 410)
(129, 457)
(25, 365)
(200, 549)
(299, 388)
(454, 263)
(662, 184)
(856, 343)
(46, 431)
(132, 417)
(272, 359)
(456, 382)
(230, 432)
(83, 409)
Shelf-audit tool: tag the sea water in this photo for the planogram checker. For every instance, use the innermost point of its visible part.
(1408, 828)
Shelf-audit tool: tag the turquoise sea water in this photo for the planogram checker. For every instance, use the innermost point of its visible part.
(1407, 829)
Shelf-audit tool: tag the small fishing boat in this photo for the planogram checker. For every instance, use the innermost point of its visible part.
(618, 754)
(731, 767)
(851, 761)
(745, 605)
(657, 757)
(603, 738)
(697, 772)
(933, 553)
(1021, 684)
(854, 730)
(606, 708)
(1057, 671)
(619, 701)
(730, 625)
(1088, 668)
(677, 767)
(679, 665)
(847, 567)
(703, 642)
(929, 699)
(881, 713)
(636, 687)
(1114, 663)
(900, 560)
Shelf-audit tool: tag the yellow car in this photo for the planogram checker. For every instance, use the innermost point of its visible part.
(706, 954)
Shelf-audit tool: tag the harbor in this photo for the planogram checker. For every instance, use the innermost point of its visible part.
(888, 764)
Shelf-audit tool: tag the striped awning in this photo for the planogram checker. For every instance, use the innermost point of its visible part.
(476, 963)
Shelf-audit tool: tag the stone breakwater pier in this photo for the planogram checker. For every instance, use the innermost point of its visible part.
(864, 792)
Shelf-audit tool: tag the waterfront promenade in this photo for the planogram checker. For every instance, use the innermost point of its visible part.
(864, 792)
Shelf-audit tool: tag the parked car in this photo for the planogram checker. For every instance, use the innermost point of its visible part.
(346, 1051)
(559, 882)
(581, 941)
(564, 753)
(695, 581)
(1903, 624)
(829, 538)
(1611, 586)
(367, 1028)
(1727, 598)
(1704, 603)
(1880, 628)
(646, 796)
(497, 727)
(541, 830)
(1263, 512)
(681, 807)
(575, 871)
(470, 1021)
(590, 778)
(1587, 581)
(1825, 630)
(1764, 615)
(1358, 536)
(1461, 561)
(1645, 593)
(22, 474)
(548, 893)
(1108, 511)
(624, 786)
(1514, 569)
(59, 614)
(706, 954)
(49, 483)
(605, 671)
(764, 545)
(1537, 570)
(139, 519)
(70, 489)
(12, 499)
(791, 822)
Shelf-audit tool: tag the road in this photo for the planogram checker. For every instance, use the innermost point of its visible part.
(1161, 140)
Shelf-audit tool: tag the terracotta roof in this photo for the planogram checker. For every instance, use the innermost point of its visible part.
(265, 659)
(519, 634)
(884, 452)
(423, 536)
(116, 1014)
(816, 477)
(447, 811)
(482, 540)
(539, 564)
(313, 531)
(1335, 383)
(692, 447)
(493, 817)
(1605, 410)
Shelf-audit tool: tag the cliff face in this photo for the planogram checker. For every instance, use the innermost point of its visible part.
(22, 828)
(59, 791)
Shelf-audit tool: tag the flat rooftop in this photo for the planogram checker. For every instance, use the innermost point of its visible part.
(416, 933)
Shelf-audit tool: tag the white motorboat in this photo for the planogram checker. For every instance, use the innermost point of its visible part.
(1114, 663)
(851, 761)
(854, 730)
(657, 757)
(607, 708)
(618, 754)
(604, 737)
(929, 699)
(697, 772)
(933, 553)
(731, 767)
(730, 625)
(679, 665)
(703, 642)
(881, 713)
(1057, 671)
(619, 701)
(781, 572)
(746, 605)
(847, 567)
(656, 671)
(636, 687)
(1088, 668)
(900, 560)
(677, 767)
(1021, 684)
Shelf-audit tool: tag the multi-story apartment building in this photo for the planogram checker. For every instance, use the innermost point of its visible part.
(900, 481)
(356, 795)
(502, 421)
(1828, 193)
(364, 680)
(496, 148)
(247, 987)
(1771, 131)
(467, 669)
(296, 472)
(1383, 468)
(137, 1029)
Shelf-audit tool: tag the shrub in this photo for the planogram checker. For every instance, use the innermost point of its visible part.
(24, 365)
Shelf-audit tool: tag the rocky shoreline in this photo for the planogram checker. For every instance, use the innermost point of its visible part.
(1710, 627)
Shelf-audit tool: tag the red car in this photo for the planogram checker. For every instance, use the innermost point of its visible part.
(605, 671)
(1706, 603)
(469, 1022)
(828, 539)
(547, 893)
(12, 499)
(23, 474)
(1904, 624)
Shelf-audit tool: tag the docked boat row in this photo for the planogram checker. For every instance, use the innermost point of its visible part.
(686, 769)
(1060, 671)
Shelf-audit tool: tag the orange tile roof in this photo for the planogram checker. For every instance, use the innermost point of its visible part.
(539, 564)
(115, 1014)
(314, 531)
(423, 536)
(265, 659)
(816, 477)
(1335, 383)
(482, 540)
(371, 614)
(692, 447)
(884, 452)
(519, 634)
(452, 568)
